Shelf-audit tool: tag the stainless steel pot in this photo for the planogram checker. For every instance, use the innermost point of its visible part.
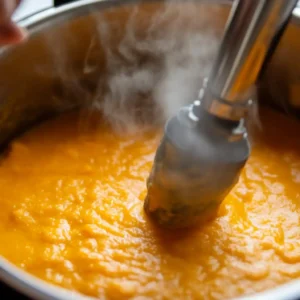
(67, 61)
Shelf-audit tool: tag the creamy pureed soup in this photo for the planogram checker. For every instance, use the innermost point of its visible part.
(72, 214)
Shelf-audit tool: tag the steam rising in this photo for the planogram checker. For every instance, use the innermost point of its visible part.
(155, 57)
(160, 58)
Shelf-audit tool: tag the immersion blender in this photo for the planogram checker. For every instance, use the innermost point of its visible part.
(205, 146)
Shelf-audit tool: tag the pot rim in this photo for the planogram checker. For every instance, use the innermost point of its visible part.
(38, 288)
(70, 10)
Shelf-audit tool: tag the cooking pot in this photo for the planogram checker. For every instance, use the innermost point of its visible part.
(71, 53)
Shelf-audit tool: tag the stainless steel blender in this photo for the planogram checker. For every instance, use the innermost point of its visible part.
(205, 146)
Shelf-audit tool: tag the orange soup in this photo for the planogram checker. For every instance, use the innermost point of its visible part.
(72, 214)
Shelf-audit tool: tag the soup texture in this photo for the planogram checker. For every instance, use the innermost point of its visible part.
(71, 199)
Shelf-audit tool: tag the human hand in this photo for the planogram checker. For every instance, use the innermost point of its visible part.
(10, 33)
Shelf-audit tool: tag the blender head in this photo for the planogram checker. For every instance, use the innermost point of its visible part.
(196, 165)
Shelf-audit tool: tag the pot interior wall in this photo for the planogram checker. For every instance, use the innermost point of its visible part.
(75, 62)
(280, 86)
(70, 63)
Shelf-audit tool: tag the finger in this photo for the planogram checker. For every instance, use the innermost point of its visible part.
(10, 33)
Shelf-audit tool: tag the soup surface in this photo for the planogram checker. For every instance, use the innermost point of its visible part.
(72, 214)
